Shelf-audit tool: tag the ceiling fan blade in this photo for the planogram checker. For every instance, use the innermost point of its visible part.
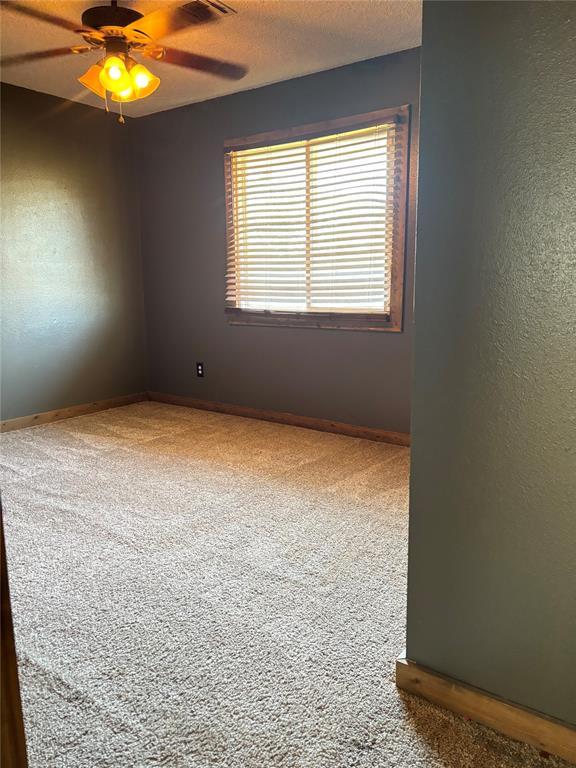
(35, 13)
(166, 21)
(202, 63)
(53, 53)
(220, 6)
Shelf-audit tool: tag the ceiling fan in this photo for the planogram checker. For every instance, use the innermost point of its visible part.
(119, 31)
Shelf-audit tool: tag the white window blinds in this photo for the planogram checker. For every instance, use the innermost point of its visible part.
(313, 224)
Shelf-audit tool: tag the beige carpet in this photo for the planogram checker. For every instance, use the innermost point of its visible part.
(194, 590)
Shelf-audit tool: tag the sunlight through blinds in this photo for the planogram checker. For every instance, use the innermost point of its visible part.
(313, 224)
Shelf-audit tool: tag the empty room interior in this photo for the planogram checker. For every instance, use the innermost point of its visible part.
(288, 352)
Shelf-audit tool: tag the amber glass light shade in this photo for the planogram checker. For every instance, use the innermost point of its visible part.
(91, 80)
(128, 94)
(143, 81)
(114, 75)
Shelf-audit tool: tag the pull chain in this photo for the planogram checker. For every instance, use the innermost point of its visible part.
(121, 118)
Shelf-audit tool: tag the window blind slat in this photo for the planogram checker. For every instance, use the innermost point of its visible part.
(313, 223)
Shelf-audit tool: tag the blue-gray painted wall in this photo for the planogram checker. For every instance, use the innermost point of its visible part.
(492, 551)
(351, 376)
(72, 306)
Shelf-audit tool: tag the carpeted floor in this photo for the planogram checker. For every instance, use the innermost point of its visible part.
(194, 590)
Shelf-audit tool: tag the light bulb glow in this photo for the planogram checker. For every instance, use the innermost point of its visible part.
(114, 75)
(141, 80)
(114, 72)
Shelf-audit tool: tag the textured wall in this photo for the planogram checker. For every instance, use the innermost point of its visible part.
(356, 377)
(492, 557)
(72, 309)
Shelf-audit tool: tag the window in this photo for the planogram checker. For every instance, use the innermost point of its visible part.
(315, 224)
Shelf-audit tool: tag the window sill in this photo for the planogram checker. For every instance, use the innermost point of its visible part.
(346, 321)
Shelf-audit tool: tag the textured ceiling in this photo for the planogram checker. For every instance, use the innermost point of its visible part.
(276, 40)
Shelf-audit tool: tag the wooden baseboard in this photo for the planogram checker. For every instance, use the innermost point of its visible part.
(280, 417)
(308, 422)
(545, 733)
(69, 413)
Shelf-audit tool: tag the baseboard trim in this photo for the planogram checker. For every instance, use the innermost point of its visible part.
(35, 419)
(545, 733)
(281, 417)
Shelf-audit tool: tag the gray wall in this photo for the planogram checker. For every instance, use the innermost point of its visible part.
(492, 553)
(356, 377)
(72, 308)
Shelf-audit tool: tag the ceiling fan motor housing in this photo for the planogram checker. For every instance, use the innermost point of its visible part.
(109, 16)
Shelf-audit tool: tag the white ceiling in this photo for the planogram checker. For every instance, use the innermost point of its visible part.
(276, 40)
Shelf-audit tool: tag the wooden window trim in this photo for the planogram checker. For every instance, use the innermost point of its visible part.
(354, 321)
(344, 321)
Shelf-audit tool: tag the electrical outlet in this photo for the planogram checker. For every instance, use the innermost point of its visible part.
(200, 370)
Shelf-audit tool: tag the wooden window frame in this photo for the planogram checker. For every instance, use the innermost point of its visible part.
(353, 321)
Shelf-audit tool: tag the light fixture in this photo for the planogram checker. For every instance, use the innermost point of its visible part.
(120, 75)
